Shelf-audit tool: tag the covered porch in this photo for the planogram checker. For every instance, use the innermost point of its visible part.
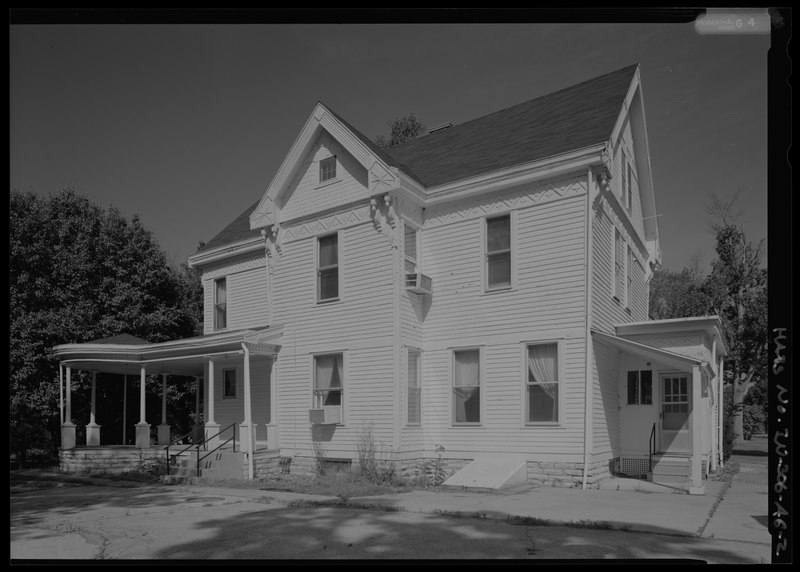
(669, 382)
(208, 359)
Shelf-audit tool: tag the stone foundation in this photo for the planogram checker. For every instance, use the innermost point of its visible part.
(105, 459)
(567, 474)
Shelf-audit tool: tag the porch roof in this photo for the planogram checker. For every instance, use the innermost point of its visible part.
(649, 352)
(186, 356)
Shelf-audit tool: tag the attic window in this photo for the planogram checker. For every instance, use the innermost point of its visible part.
(327, 169)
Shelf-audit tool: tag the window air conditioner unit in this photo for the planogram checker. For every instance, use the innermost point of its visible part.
(325, 416)
(419, 283)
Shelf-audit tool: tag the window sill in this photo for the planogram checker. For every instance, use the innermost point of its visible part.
(489, 292)
(457, 425)
(327, 183)
(328, 301)
(550, 424)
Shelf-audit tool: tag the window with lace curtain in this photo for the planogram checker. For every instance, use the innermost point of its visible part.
(541, 383)
(466, 387)
(329, 383)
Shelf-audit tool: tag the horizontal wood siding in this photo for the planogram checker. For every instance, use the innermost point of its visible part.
(360, 325)
(307, 196)
(605, 429)
(548, 302)
(231, 410)
(246, 282)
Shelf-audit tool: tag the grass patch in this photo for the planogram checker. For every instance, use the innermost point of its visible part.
(590, 524)
(345, 484)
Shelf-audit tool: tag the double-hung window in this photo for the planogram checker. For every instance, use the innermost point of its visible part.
(629, 189)
(498, 252)
(329, 385)
(541, 383)
(327, 169)
(410, 242)
(328, 268)
(629, 259)
(414, 387)
(620, 264)
(220, 304)
(640, 387)
(466, 386)
(228, 383)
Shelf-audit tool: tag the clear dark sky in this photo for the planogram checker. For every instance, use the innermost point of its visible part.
(187, 124)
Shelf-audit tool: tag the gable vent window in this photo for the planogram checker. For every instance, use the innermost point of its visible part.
(327, 169)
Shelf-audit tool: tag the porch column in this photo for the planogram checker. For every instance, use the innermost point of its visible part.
(247, 431)
(198, 434)
(164, 428)
(272, 428)
(68, 427)
(211, 427)
(142, 427)
(93, 429)
(125, 409)
(721, 381)
(60, 393)
(697, 428)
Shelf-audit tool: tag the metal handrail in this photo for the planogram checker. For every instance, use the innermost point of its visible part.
(652, 445)
(179, 453)
(233, 438)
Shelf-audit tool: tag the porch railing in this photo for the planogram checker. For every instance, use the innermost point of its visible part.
(652, 446)
(200, 444)
(232, 438)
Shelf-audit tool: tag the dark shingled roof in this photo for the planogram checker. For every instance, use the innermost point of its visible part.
(567, 120)
(564, 121)
(238, 230)
(121, 339)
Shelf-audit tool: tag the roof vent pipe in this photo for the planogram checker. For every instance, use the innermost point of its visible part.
(440, 127)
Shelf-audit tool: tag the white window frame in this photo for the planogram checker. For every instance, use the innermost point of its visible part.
(334, 176)
(225, 373)
(417, 259)
(485, 254)
(617, 241)
(628, 275)
(318, 289)
(481, 387)
(623, 167)
(629, 183)
(215, 305)
(559, 342)
(315, 403)
(639, 380)
(418, 352)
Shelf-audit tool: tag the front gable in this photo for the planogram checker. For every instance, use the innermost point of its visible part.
(628, 146)
(369, 171)
(307, 193)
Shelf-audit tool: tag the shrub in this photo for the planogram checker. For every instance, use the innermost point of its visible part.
(154, 467)
(430, 472)
(319, 458)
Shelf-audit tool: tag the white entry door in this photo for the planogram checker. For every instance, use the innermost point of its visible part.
(676, 407)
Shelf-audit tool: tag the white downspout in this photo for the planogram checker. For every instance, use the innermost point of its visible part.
(589, 394)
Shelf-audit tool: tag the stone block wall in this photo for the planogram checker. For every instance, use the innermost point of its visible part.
(104, 460)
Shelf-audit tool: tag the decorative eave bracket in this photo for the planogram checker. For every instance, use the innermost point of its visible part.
(383, 215)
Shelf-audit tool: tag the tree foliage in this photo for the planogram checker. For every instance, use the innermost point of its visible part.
(79, 272)
(402, 129)
(736, 291)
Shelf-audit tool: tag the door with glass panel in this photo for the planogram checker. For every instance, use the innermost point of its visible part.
(675, 413)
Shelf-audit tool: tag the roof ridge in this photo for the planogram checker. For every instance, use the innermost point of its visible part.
(525, 102)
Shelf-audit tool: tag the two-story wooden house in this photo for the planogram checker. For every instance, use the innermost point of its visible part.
(481, 289)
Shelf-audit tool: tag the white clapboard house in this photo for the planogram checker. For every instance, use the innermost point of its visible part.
(480, 293)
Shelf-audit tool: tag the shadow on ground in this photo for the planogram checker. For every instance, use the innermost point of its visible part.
(329, 532)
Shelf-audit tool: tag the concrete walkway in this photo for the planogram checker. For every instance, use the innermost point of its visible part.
(733, 509)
